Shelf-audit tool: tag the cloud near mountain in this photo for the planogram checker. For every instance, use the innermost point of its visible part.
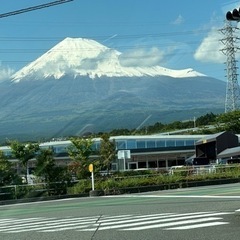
(209, 51)
(5, 73)
(142, 57)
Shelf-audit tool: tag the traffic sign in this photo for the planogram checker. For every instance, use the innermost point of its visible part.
(90, 167)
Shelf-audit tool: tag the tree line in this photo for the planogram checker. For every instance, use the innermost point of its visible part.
(46, 168)
(220, 122)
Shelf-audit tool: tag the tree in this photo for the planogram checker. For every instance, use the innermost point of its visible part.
(56, 177)
(107, 152)
(24, 152)
(45, 163)
(207, 119)
(229, 122)
(7, 175)
(80, 153)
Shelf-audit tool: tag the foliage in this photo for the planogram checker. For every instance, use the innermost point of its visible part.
(107, 152)
(45, 164)
(80, 153)
(229, 122)
(114, 184)
(116, 132)
(24, 152)
(209, 118)
(7, 175)
(83, 186)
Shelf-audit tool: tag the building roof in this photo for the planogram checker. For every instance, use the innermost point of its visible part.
(229, 152)
(209, 138)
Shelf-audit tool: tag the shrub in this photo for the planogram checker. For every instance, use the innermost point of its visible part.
(83, 186)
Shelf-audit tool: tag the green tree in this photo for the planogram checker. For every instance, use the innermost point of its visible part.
(229, 122)
(7, 174)
(209, 118)
(107, 152)
(45, 164)
(80, 152)
(56, 178)
(24, 152)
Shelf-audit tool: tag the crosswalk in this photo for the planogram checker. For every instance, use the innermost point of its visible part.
(128, 222)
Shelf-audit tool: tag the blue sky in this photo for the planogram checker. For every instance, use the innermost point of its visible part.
(175, 34)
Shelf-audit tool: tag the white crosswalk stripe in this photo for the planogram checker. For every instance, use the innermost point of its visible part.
(134, 222)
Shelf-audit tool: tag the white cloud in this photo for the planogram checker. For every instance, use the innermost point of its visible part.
(141, 57)
(5, 73)
(179, 20)
(210, 48)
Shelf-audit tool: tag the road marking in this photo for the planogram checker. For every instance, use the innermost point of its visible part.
(154, 223)
(130, 222)
(163, 225)
(211, 224)
(183, 196)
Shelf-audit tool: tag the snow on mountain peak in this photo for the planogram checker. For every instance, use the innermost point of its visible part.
(82, 57)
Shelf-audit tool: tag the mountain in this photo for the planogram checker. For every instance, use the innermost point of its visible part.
(82, 86)
(83, 57)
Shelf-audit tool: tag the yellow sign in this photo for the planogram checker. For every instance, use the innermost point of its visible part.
(90, 167)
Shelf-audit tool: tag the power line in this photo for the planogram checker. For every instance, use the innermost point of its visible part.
(29, 9)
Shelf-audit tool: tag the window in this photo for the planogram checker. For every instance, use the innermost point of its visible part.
(132, 165)
(152, 164)
(170, 143)
(180, 143)
(60, 149)
(141, 144)
(114, 167)
(96, 146)
(142, 164)
(160, 143)
(190, 142)
(121, 145)
(131, 144)
(150, 144)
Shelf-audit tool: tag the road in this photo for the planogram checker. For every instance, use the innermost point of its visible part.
(193, 213)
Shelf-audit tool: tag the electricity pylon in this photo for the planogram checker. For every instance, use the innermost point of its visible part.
(230, 49)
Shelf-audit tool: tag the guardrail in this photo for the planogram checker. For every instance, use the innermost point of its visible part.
(30, 191)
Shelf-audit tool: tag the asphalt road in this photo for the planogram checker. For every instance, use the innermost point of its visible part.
(193, 213)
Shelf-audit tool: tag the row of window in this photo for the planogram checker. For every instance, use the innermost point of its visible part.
(126, 144)
(141, 144)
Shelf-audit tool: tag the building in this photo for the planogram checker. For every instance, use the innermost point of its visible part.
(152, 151)
(146, 151)
(210, 147)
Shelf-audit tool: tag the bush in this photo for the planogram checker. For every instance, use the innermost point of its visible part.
(29, 191)
(83, 186)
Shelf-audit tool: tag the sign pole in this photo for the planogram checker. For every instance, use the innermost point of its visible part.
(90, 167)
(92, 180)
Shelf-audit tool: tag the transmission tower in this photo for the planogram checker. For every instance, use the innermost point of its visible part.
(232, 89)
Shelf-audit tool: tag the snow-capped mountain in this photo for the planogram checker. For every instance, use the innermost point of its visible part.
(97, 89)
(84, 57)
